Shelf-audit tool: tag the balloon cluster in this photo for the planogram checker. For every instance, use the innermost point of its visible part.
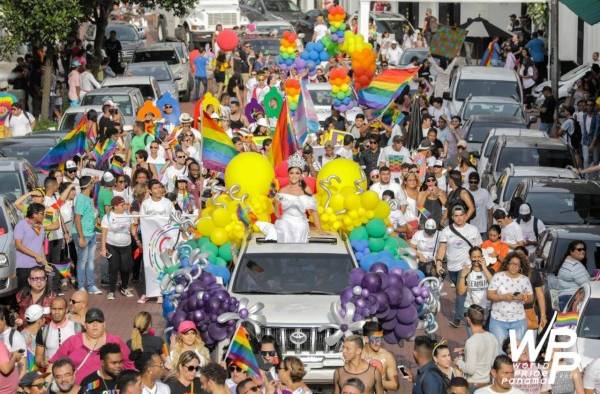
(218, 257)
(341, 91)
(313, 54)
(219, 221)
(363, 58)
(292, 93)
(337, 23)
(287, 50)
(393, 296)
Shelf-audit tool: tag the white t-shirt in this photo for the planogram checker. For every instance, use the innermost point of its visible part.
(483, 203)
(488, 390)
(457, 250)
(509, 311)
(88, 83)
(397, 218)
(424, 243)
(512, 233)
(344, 152)
(320, 31)
(379, 188)
(119, 229)
(591, 376)
(56, 336)
(528, 231)
(394, 55)
(125, 193)
(477, 285)
(66, 212)
(18, 341)
(20, 125)
(49, 201)
(159, 388)
(170, 175)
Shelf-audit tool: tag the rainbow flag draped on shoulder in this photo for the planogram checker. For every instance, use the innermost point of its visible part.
(386, 87)
(240, 353)
(72, 144)
(217, 148)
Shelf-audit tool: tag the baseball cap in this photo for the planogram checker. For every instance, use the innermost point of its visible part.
(110, 103)
(94, 314)
(70, 164)
(117, 200)
(185, 326)
(30, 377)
(34, 313)
(430, 224)
(108, 178)
(425, 145)
(185, 118)
(462, 143)
(524, 209)
(181, 178)
(398, 138)
(439, 163)
(431, 161)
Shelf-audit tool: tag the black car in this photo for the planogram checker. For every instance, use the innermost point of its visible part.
(32, 147)
(264, 10)
(478, 127)
(558, 201)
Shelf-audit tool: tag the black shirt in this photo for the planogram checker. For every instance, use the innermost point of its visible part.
(94, 384)
(150, 343)
(550, 105)
(113, 48)
(104, 124)
(178, 388)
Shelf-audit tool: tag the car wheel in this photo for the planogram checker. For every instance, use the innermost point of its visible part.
(160, 31)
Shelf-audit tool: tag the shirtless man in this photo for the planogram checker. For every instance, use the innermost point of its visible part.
(379, 357)
(356, 367)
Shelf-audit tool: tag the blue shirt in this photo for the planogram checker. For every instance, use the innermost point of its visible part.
(536, 50)
(429, 381)
(200, 66)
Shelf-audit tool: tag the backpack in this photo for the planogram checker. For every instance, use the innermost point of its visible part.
(535, 226)
(11, 336)
(76, 326)
(577, 136)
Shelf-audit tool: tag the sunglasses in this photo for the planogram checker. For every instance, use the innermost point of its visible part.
(431, 180)
(580, 249)
(192, 368)
(375, 339)
(72, 170)
(181, 157)
(235, 368)
(168, 106)
(269, 353)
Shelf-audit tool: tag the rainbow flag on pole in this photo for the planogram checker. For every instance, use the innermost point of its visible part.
(64, 270)
(284, 143)
(240, 353)
(217, 148)
(31, 365)
(72, 144)
(566, 319)
(386, 87)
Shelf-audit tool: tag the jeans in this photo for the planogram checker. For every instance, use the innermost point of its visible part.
(197, 82)
(119, 263)
(500, 330)
(85, 262)
(459, 304)
(546, 127)
(585, 155)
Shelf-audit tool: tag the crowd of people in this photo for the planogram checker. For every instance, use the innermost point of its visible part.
(481, 249)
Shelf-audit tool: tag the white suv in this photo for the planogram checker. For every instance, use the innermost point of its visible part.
(297, 284)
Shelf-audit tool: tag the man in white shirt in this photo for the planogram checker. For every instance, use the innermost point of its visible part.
(385, 183)
(455, 242)
(440, 175)
(531, 227)
(394, 54)
(87, 81)
(503, 373)
(511, 231)
(55, 333)
(394, 156)
(174, 170)
(424, 241)
(19, 122)
(483, 204)
(346, 151)
(320, 30)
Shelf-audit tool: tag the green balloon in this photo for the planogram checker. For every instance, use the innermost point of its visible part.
(391, 249)
(376, 228)
(203, 241)
(220, 262)
(376, 245)
(210, 248)
(402, 243)
(392, 242)
(359, 233)
(225, 252)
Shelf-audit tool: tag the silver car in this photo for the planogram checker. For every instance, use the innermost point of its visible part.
(160, 71)
(128, 100)
(8, 264)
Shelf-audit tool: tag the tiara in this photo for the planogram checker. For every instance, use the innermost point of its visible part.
(296, 160)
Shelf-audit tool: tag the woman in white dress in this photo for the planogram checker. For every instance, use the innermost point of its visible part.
(292, 204)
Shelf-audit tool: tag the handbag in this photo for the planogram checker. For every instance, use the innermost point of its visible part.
(532, 319)
(455, 231)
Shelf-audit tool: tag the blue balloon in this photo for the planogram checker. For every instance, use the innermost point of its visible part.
(304, 55)
(219, 271)
(319, 46)
(314, 55)
(311, 64)
(346, 100)
(324, 56)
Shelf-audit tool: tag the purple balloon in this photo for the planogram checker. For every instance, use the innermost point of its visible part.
(372, 282)
(361, 303)
(206, 279)
(390, 315)
(346, 295)
(195, 287)
(407, 298)
(390, 338)
(379, 267)
(419, 300)
(214, 305)
(230, 330)
(407, 315)
(385, 280)
(216, 332)
(411, 278)
(404, 331)
(191, 303)
(213, 317)
(394, 281)
(424, 292)
(397, 271)
(383, 301)
(203, 327)
(364, 312)
(244, 313)
(206, 297)
(389, 325)
(394, 294)
(199, 316)
(356, 276)
(372, 310)
(232, 308)
(222, 295)
(365, 293)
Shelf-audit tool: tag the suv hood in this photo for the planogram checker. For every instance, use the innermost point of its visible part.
(293, 310)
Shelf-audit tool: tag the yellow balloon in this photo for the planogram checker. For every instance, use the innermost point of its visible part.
(207, 211)
(353, 214)
(205, 226)
(361, 211)
(336, 225)
(348, 191)
(347, 170)
(252, 172)
(370, 215)
(352, 201)
(382, 210)
(320, 210)
(337, 202)
(369, 199)
(219, 236)
(347, 221)
(221, 217)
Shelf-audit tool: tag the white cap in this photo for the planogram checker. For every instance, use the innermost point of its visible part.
(111, 103)
(439, 163)
(70, 164)
(431, 161)
(185, 118)
(34, 313)
(182, 178)
(108, 177)
(262, 122)
(462, 143)
(430, 224)
(524, 209)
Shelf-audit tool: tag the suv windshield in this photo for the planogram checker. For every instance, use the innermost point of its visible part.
(565, 208)
(589, 321)
(292, 273)
(122, 101)
(9, 183)
(281, 6)
(510, 110)
(478, 132)
(159, 73)
(168, 55)
(146, 90)
(476, 87)
(530, 156)
(268, 46)
(124, 32)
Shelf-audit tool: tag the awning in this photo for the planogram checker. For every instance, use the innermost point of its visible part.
(588, 10)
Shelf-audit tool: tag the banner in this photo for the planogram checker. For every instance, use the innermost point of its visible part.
(447, 41)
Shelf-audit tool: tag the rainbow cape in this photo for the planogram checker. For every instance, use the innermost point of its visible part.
(386, 87)
(306, 119)
(240, 353)
(486, 60)
(217, 148)
(104, 150)
(284, 143)
(72, 144)
(566, 319)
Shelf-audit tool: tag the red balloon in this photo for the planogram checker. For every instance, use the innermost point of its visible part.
(227, 40)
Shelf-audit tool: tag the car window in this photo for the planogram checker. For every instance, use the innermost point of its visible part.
(266, 46)
(574, 304)
(321, 97)
(479, 131)
(281, 6)
(12, 217)
(477, 87)
(565, 208)
(124, 32)
(168, 55)
(10, 183)
(31, 181)
(511, 185)
(22, 150)
(146, 89)
(512, 110)
(408, 55)
(160, 73)
(490, 145)
(122, 101)
(529, 156)
(589, 320)
(70, 120)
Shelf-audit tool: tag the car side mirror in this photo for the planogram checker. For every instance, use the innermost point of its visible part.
(446, 96)
(177, 78)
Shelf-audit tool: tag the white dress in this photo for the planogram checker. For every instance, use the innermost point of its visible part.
(292, 226)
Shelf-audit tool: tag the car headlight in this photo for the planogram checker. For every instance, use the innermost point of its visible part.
(3, 260)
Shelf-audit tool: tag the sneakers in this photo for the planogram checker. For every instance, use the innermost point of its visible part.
(82, 289)
(94, 290)
(454, 323)
(127, 293)
(110, 296)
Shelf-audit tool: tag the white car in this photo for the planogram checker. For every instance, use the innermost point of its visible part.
(586, 302)
(146, 84)
(72, 116)
(565, 83)
(321, 97)
(490, 142)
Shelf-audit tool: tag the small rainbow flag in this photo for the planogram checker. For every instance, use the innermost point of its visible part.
(93, 385)
(386, 87)
(240, 353)
(154, 129)
(566, 319)
(103, 150)
(31, 365)
(423, 211)
(217, 148)
(64, 270)
(72, 144)
(116, 167)
(486, 60)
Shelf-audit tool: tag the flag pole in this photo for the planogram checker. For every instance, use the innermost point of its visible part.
(231, 342)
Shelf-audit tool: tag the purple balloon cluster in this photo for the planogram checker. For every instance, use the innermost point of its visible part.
(203, 302)
(392, 296)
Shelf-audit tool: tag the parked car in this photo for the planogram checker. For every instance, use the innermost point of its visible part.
(266, 28)
(586, 303)
(565, 84)
(8, 259)
(561, 201)
(264, 10)
(492, 138)
(129, 100)
(320, 94)
(478, 127)
(482, 81)
(179, 65)
(502, 191)
(17, 177)
(526, 151)
(506, 107)
(395, 24)
(72, 116)
(161, 73)
(128, 34)
(31, 147)
(146, 84)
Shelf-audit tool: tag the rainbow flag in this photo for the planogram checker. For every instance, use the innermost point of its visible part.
(154, 129)
(306, 119)
(72, 144)
(116, 167)
(103, 150)
(64, 270)
(30, 361)
(426, 214)
(566, 319)
(284, 143)
(240, 353)
(94, 385)
(486, 60)
(217, 148)
(386, 87)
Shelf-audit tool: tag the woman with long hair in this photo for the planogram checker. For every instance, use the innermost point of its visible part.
(572, 272)
(185, 379)
(466, 168)
(474, 280)
(187, 338)
(410, 186)
(221, 67)
(431, 198)
(142, 339)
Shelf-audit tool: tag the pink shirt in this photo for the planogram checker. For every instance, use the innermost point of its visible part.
(75, 349)
(8, 383)
(74, 83)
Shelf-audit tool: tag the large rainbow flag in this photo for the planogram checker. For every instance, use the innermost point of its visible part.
(217, 148)
(386, 87)
(284, 143)
(240, 353)
(72, 144)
